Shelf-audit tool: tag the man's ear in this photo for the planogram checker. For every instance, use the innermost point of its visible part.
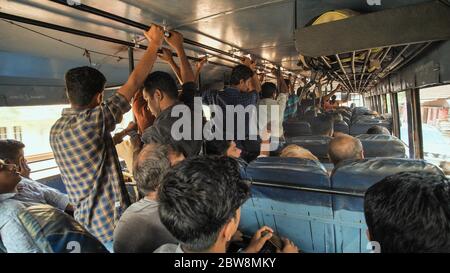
(229, 229)
(158, 95)
(99, 98)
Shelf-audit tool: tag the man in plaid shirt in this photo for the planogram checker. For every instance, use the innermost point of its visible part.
(83, 147)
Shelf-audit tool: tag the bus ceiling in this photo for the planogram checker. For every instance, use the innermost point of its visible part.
(372, 51)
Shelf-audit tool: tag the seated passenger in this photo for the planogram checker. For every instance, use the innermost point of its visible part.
(322, 125)
(297, 152)
(409, 213)
(378, 130)
(345, 147)
(12, 152)
(200, 202)
(139, 230)
(16, 195)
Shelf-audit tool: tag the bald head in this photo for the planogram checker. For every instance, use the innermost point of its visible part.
(345, 147)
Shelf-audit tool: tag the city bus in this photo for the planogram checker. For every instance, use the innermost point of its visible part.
(388, 60)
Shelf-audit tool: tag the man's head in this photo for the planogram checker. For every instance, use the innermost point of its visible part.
(84, 87)
(268, 90)
(322, 125)
(241, 78)
(200, 201)
(9, 177)
(223, 148)
(378, 130)
(333, 98)
(409, 213)
(345, 147)
(152, 164)
(12, 152)
(160, 92)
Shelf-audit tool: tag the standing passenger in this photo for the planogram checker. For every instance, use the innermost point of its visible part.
(83, 147)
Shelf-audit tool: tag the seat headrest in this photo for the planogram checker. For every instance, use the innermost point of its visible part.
(297, 128)
(54, 231)
(293, 171)
(357, 111)
(317, 145)
(361, 127)
(382, 146)
(360, 175)
(341, 127)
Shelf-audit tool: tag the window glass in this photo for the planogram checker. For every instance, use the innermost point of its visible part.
(434, 104)
(403, 114)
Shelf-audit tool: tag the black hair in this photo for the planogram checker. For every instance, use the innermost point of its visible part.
(322, 125)
(217, 147)
(150, 167)
(162, 81)
(410, 212)
(82, 84)
(378, 130)
(267, 90)
(240, 72)
(10, 149)
(198, 197)
(287, 81)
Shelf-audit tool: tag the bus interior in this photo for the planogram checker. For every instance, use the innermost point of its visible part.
(391, 60)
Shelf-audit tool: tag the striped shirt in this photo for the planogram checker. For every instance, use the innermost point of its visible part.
(291, 107)
(84, 151)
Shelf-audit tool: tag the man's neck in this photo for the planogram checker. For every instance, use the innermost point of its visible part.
(166, 105)
(153, 196)
(214, 249)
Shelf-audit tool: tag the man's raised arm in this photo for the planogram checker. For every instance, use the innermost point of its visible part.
(176, 42)
(155, 36)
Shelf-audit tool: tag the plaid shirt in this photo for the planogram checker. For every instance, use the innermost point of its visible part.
(84, 151)
(291, 107)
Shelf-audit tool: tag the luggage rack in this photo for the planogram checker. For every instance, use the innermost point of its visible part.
(362, 50)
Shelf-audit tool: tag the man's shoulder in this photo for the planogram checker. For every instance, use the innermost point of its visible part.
(168, 248)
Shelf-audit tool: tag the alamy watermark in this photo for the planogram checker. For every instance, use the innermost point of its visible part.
(232, 123)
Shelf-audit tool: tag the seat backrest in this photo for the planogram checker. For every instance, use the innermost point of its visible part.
(341, 127)
(317, 145)
(358, 176)
(382, 146)
(361, 126)
(296, 128)
(289, 211)
(54, 231)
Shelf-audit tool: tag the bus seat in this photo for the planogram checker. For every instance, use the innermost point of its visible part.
(318, 145)
(296, 128)
(2, 247)
(304, 217)
(361, 127)
(54, 231)
(382, 146)
(54, 182)
(358, 176)
(341, 127)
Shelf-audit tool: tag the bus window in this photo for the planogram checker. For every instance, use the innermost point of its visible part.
(388, 104)
(403, 112)
(435, 104)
